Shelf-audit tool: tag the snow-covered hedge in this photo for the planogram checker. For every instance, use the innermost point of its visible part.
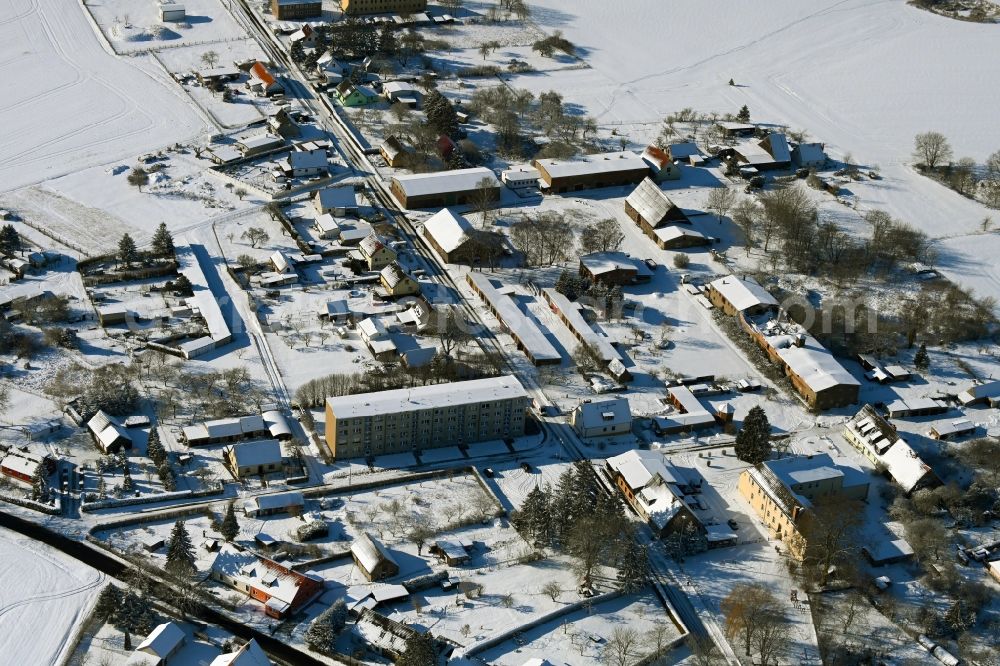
(31, 504)
(149, 499)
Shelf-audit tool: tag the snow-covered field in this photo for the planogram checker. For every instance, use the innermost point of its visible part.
(843, 70)
(45, 598)
(70, 104)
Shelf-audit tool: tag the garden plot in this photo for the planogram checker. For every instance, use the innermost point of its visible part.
(584, 636)
(46, 599)
(132, 26)
(235, 243)
(107, 644)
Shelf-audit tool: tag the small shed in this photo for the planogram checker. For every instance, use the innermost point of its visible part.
(172, 12)
(373, 558)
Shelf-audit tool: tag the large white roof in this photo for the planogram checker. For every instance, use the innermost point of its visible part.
(163, 640)
(571, 312)
(370, 552)
(605, 412)
(443, 182)
(814, 364)
(337, 197)
(600, 163)
(251, 654)
(448, 229)
(605, 262)
(277, 501)
(743, 293)
(426, 397)
(263, 452)
(514, 318)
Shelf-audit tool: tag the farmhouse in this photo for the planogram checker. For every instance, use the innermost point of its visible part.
(108, 435)
(283, 591)
(614, 268)
(451, 236)
(262, 82)
(652, 210)
(23, 465)
(445, 188)
(360, 7)
(879, 442)
(221, 431)
(376, 337)
(305, 163)
(557, 176)
(660, 164)
(305, 36)
(425, 417)
(653, 491)
(782, 491)
(988, 392)
(396, 282)
(281, 123)
(162, 643)
(603, 418)
(770, 153)
(373, 558)
(249, 654)
(338, 201)
(284, 10)
(393, 151)
(253, 458)
(521, 326)
(734, 295)
(809, 155)
(376, 253)
(269, 505)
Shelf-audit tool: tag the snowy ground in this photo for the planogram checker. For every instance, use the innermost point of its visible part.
(46, 597)
(71, 104)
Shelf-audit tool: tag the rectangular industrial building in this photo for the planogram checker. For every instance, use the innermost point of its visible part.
(444, 188)
(590, 172)
(425, 417)
(361, 7)
(528, 337)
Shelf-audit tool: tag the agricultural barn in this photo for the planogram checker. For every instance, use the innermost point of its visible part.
(284, 10)
(650, 208)
(444, 188)
(451, 236)
(590, 172)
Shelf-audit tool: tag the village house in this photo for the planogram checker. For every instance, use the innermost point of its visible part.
(209, 78)
(734, 296)
(259, 144)
(603, 418)
(281, 123)
(394, 152)
(109, 436)
(23, 465)
(521, 325)
(375, 252)
(362, 7)
(162, 643)
(262, 81)
(558, 176)
(948, 430)
(282, 590)
(219, 431)
(782, 492)
(683, 151)
(401, 92)
(689, 415)
(305, 163)
(249, 654)
(613, 268)
(396, 282)
(372, 558)
(253, 458)
(425, 417)
(733, 130)
(877, 439)
(445, 188)
(451, 236)
(771, 153)
(350, 95)
(375, 335)
(270, 505)
(337, 201)
(305, 36)
(809, 156)
(389, 638)
(653, 491)
(981, 393)
(453, 552)
(285, 10)
(660, 218)
(660, 164)
(570, 314)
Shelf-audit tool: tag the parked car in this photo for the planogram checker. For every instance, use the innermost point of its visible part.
(733, 525)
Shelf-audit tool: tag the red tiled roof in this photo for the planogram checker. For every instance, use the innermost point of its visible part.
(260, 71)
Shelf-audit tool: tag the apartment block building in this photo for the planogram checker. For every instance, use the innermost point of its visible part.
(359, 7)
(425, 417)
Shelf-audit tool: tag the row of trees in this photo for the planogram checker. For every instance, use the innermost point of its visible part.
(578, 517)
(934, 154)
(156, 453)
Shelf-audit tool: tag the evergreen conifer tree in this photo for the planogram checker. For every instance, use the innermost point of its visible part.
(180, 552)
(922, 360)
(230, 527)
(163, 241)
(10, 240)
(40, 484)
(127, 250)
(154, 447)
(322, 633)
(744, 115)
(419, 651)
(633, 565)
(534, 519)
(753, 441)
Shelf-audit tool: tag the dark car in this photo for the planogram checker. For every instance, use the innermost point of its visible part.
(733, 525)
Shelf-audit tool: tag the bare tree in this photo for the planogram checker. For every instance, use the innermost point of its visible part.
(452, 331)
(255, 236)
(622, 647)
(210, 59)
(720, 201)
(831, 531)
(484, 200)
(931, 149)
(747, 608)
(602, 236)
(552, 590)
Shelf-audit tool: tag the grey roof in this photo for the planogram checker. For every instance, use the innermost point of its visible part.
(337, 197)
(599, 263)
(650, 201)
(521, 325)
(426, 397)
(443, 182)
(370, 552)
(276, 501)
(600, 163)
(252, 454)
(604, 412)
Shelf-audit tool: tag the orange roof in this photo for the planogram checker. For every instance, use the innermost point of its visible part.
(260, 71)
(656, 155)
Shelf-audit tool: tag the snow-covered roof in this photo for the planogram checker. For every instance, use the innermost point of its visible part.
(777, 145)
(600, 163)
(452, 549)
(204, 299)
(690, 405)
(392, 147)
(275, 501)
(651, 202)
(261, 141)
(393, 274)
(105, 429)
(683, 150)
(426, 397)
(954, 427)
(612, 412)
(237, 426)
(337, 197)
(522, 325)
(639, 467)
(883, 442)
(370, 552)
(326, 223)
(812, 362)
(163, 640)
(276, 423)
(251, 654)
(580, 327)
(398, 88)
(742, 293)
(598, 263)
(809, 153)
(280, 584)
(448, 229)
(374, 243)
(252, 454)
(672, 233)
(20, 465)
(979, 392)
(311, 159)
(372, 328)
(443, 182)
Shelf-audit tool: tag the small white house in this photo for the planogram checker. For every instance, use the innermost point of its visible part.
(521, 176)
(605, 418)
(171, 12)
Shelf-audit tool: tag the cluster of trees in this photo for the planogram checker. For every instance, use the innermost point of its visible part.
(547, 46)
(10, 241)
(162, 247)
(548, 239)
(934, 154)
(46, 313)
(322, 633)
(607, 301)
(156, 453)
(578, 517)
(755, 617)
(441, 115)
(129, 610)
